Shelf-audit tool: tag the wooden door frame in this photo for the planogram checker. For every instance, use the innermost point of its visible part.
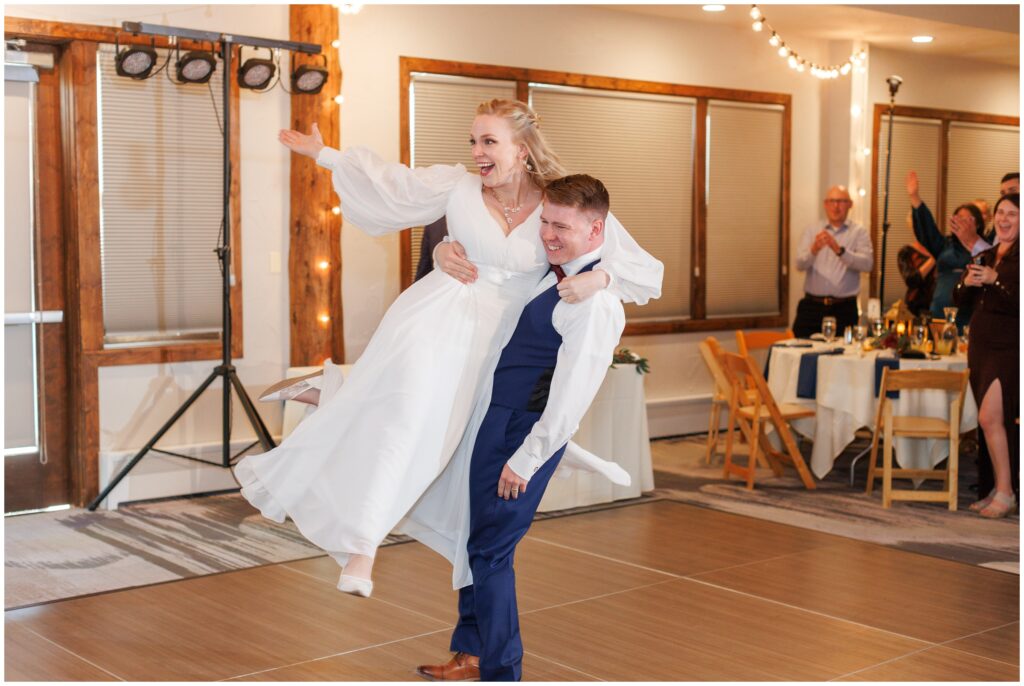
(28, 483)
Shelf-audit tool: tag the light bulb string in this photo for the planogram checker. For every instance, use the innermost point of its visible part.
(796, 62)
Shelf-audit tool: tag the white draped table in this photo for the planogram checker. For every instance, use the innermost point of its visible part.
(845, 401)
(614, 428)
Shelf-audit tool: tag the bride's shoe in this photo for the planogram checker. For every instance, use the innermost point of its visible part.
(286, 389)
(356, 585)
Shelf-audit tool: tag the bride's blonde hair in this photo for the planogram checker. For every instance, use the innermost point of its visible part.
(543, 165)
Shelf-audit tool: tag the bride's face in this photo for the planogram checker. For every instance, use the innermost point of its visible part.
(499, 158)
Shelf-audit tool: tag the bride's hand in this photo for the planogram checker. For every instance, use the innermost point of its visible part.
(575, 289)
(310, 145)
(451, 259)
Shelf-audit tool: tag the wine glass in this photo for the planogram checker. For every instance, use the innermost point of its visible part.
(920, 332)
(828, 328)
(877, 327)
(964, 337)
(860, 332)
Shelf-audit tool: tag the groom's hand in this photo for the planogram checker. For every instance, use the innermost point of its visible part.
(510, 484)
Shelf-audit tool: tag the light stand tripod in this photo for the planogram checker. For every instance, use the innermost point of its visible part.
(894, 85)
(225, 370)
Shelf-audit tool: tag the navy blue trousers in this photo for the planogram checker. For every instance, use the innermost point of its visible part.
(488, 615)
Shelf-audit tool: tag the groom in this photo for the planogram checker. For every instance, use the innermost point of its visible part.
(545, 380)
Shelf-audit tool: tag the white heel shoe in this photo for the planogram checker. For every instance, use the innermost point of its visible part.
(355, 585)
(286, 389)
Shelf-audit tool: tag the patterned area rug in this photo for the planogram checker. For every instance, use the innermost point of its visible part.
(837, 508)
(58, 555)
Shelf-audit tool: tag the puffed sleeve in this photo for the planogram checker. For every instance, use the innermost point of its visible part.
(635, 274)
(382, 197)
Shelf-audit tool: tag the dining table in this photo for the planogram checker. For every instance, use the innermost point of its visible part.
(841, 381)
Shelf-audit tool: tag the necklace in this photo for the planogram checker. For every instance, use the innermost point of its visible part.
(505, 208)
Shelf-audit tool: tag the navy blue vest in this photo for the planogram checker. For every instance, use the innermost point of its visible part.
(523, 377)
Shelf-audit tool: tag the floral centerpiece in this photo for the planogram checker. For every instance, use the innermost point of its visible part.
(626, 356)
(893, 340)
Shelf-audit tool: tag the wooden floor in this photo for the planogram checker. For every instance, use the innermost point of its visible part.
(661, 591)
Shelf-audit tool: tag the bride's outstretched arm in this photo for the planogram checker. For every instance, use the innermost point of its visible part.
(377, 196)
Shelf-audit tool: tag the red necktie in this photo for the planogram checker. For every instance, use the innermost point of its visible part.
(559, 272)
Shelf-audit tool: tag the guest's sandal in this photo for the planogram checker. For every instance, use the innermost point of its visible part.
(1002, 505)
(983, 503)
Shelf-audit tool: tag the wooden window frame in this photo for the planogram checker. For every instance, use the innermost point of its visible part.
(522, 77)
(946, 117)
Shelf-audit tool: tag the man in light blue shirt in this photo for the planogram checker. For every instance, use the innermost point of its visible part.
(833, 254)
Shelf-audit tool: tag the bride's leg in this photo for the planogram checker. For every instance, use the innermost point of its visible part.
(310, 396)
(360, 566)
(355, 577)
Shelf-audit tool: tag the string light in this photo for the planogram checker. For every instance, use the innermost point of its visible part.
(323, 265)
(831, 71)
(324, 318)
(339, 99)
(336, 210)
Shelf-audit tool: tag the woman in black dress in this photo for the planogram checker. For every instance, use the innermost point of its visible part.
(992, 286)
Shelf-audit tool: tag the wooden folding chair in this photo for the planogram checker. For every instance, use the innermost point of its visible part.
(711, 351)
(754, 340)
(892, 427)
(747, 381)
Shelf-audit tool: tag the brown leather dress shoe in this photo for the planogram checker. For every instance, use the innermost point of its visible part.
(462, 667)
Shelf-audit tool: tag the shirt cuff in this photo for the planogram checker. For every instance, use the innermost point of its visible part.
(329, 157)
(524, 464)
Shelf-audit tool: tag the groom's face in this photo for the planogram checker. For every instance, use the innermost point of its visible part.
(568, 232)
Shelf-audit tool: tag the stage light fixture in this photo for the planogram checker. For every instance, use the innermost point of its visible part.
(256, 73)
(197, 66)
(309, 79)
(135, 62)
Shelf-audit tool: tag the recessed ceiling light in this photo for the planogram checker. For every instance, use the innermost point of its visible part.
(713, 8)
(922, 39)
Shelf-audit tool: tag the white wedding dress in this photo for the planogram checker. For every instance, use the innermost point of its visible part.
(394, 441)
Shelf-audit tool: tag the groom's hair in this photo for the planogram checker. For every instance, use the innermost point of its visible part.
(583, 192)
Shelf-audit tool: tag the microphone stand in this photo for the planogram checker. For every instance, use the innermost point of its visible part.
(894, 85)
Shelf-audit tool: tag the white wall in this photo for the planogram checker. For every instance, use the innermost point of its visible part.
(136, 400)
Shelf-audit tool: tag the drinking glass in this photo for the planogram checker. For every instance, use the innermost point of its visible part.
(860, 332)
(877, 327)
(828, 328)
(964, 337)
(920, 332)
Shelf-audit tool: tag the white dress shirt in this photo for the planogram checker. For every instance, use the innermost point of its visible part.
(590, 331)
(830, 274)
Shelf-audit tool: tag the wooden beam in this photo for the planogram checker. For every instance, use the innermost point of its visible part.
(314, 231)
(58, 32)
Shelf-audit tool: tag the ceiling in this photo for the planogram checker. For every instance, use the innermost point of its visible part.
(989, 33)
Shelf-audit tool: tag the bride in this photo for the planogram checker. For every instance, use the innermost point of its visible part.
(391, 447)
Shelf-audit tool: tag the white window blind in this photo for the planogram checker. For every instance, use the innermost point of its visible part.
(979, 156)
(916, 145)
(443, 108)
(161, 175)
(744, 217)
(641, 148)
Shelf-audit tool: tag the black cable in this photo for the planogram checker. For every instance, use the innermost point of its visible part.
(283, 87)
(216, 115)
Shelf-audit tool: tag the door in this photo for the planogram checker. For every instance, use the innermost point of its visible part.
(36, 464)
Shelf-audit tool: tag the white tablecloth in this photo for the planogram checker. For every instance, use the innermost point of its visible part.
(614, 428)
(845, 401)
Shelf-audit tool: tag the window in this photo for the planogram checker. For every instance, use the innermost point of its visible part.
(161, 206)
(958, 156)
(442, 108)
(671, 156)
